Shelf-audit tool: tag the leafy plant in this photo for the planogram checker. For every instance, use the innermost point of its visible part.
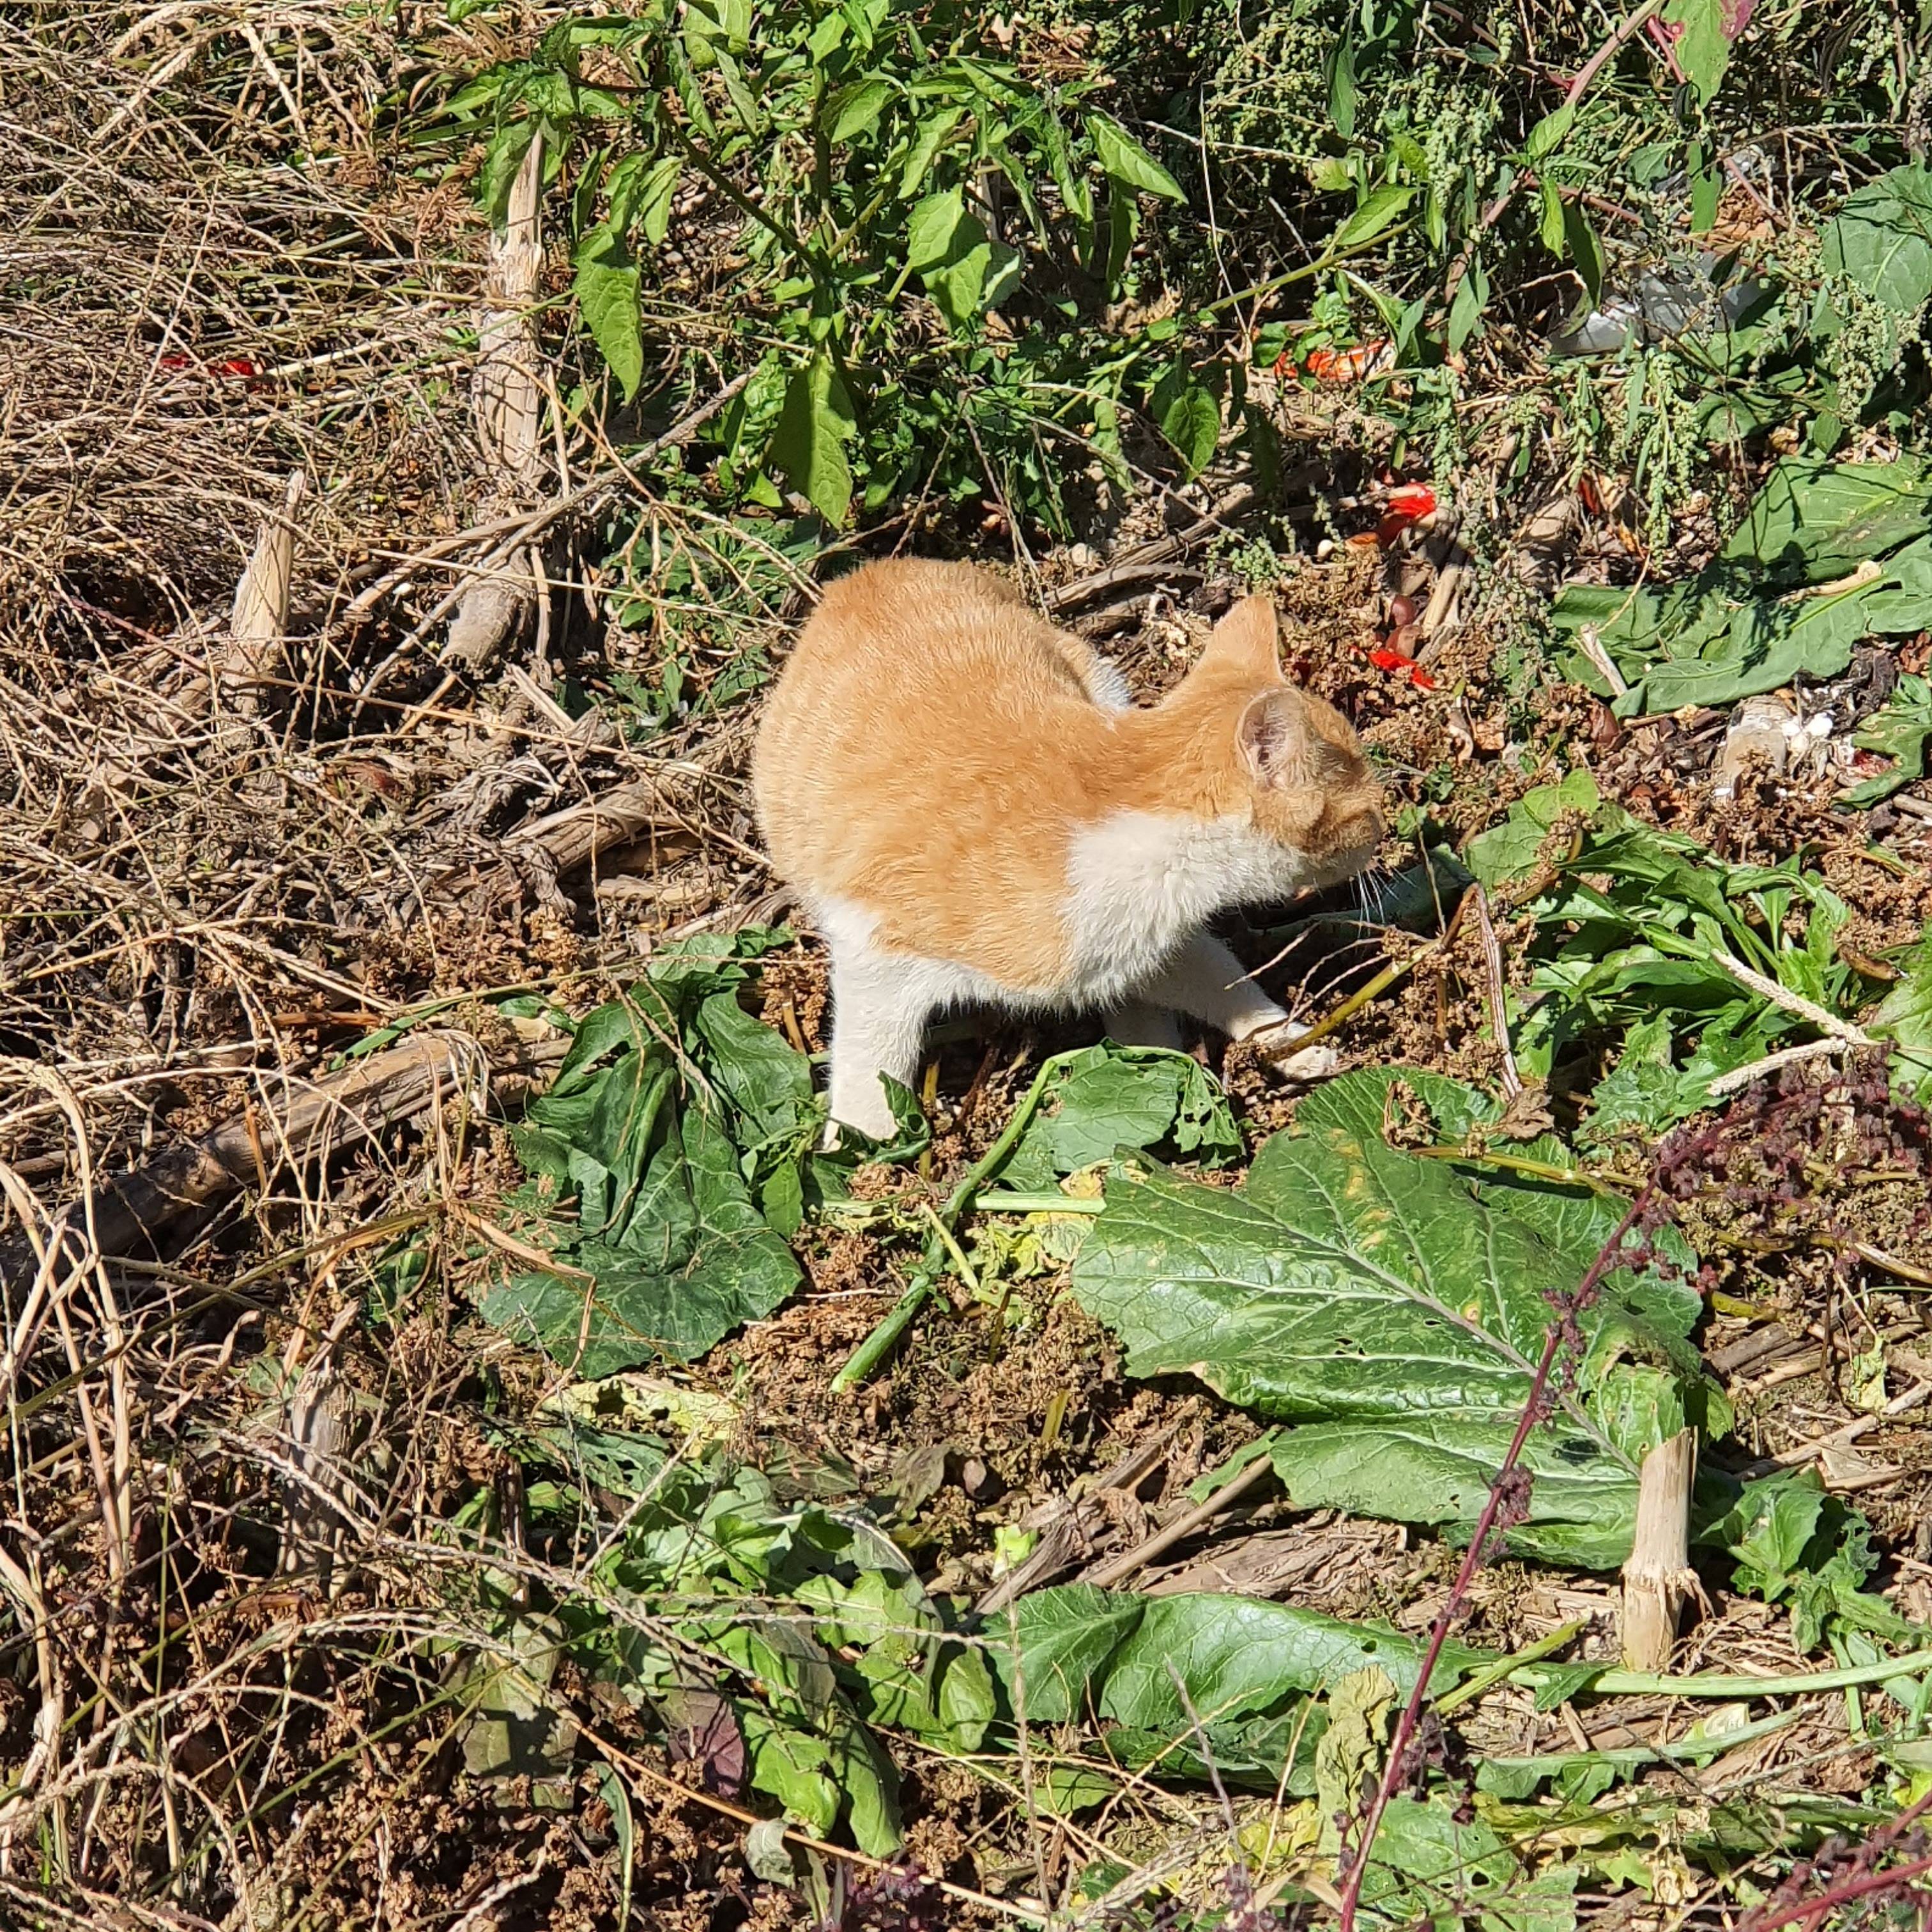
(1829, 554)
(1647, 944)
(682, 1131)
(895, 182)
(770, 1640)
(1182, 1682)
(1112, 1097)
(1391, 1306)
(1794, 1545)
(1900, 730)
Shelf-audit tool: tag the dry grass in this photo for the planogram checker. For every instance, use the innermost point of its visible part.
(227, 1696)
(254, 1542)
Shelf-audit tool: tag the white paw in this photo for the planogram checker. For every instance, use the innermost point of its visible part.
(1311, 1065)
(1299, 1066)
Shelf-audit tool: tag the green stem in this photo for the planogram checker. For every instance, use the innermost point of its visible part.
(874, 1349)
(1495, 1673)
(880, 1343)
(1536, 1170)
(1641, 1684)
(1003, 1203)
(1641, 1754)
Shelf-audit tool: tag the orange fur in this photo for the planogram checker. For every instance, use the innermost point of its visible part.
(932, 753)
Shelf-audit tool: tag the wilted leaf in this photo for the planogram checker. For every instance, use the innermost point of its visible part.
(1901, 730)
(666, 1252)
(1393, 1308)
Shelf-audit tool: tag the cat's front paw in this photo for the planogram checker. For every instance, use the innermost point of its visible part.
(1279, 1049)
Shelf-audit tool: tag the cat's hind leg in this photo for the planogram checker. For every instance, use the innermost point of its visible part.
(880, 1003)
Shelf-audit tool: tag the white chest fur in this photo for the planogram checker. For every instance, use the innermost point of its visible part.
(1140, 883)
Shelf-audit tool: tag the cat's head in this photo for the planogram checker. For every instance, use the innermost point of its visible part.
(1291, 758)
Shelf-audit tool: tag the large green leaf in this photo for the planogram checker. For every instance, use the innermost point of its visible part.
(1394, 1307)
(808, 444)
(1183, 1679)
(640, 192)
(695, 1261)
(1189, 412)
(1814, 520)
(1882, 238)
(964, 271)
(607, 297)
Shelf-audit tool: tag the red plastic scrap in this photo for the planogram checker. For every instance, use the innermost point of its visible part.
(1350, 365)
(1383, 658)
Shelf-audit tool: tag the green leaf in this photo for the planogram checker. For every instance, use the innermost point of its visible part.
(1507, 852)
(1392, 1309)
(1882, 238)
(1341, 75)
(808, 444)
(1904, 1016)
(1472, 296)
(964, 271)
(1185, 1674)
(1376, 216)
(1740, 626)
(1707, 188)
(1125, 160)
(1901, 730)
(934, 129)
(1585, 249)
(1114, 1097)
(1704, 32)
(790, 1764)
(1549, 133)
(607, 288)
(1550, 227)
(1189, 413)
(501, 161)
(1426, 1852)
(1814, 521)
(640, 194)
(856, 109)
(1793, 1544)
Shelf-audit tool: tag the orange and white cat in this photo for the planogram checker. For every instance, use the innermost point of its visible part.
(972, 811)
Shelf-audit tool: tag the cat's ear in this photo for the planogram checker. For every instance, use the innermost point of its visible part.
(1246, 640)
(1272, 739)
